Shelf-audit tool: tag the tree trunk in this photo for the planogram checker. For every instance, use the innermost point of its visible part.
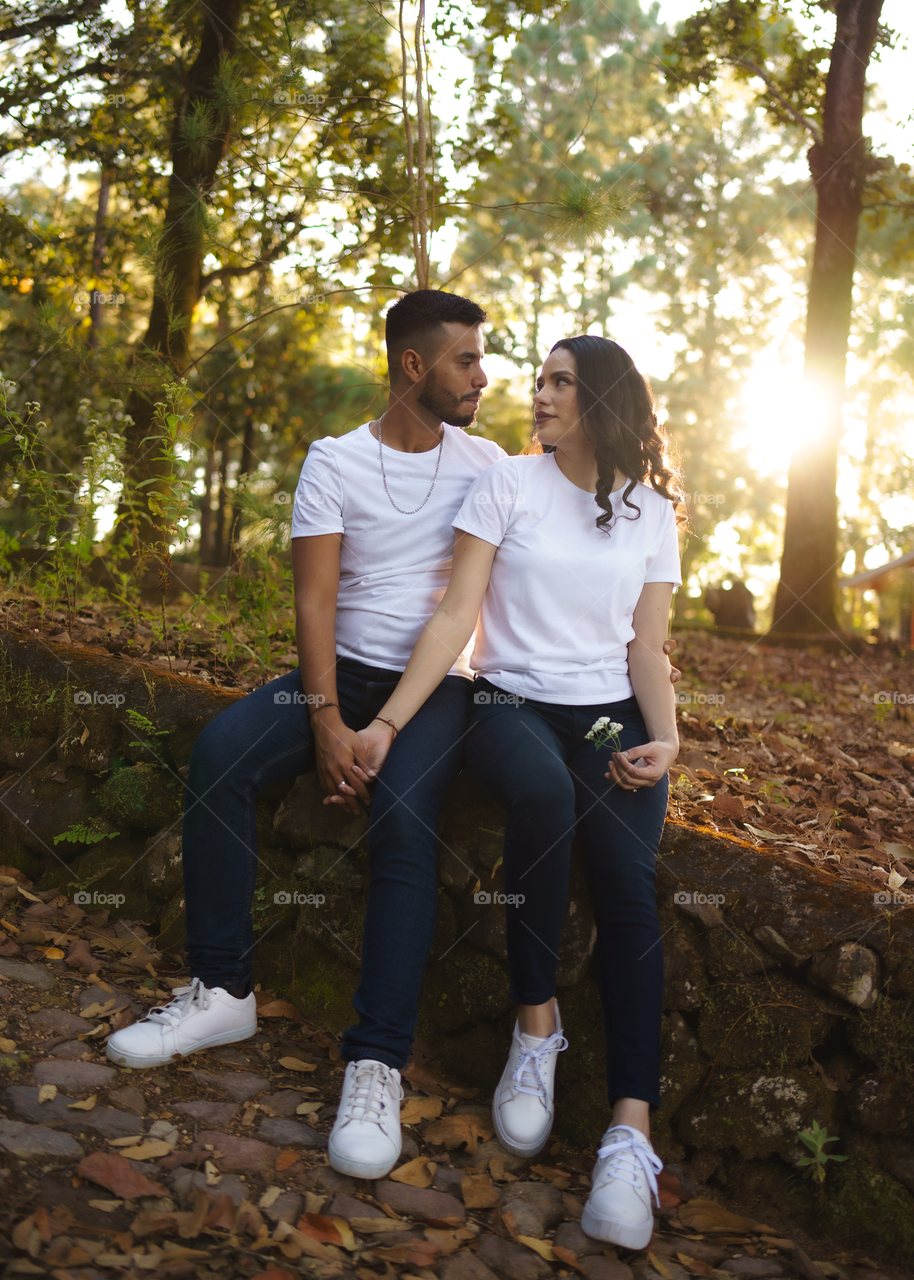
(179, 264)
(98, 256)
(805, 599)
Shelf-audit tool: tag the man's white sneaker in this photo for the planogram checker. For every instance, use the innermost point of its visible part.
(618, 1208)
(523, 1106)
(365, 1141)
(197, 1017)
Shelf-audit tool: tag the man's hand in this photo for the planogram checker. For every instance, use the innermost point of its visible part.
(372, 746)
(668, 647)
(338, 748)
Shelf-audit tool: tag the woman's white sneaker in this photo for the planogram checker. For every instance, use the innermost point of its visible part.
(365, 1141)
(523, 1106)
(618, 1208)
(197, 1017)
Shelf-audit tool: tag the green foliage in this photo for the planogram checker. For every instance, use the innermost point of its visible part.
(816, 1139)
(79, 833)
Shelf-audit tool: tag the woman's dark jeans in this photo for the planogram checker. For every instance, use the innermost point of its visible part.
(265, 737)
(551, 779)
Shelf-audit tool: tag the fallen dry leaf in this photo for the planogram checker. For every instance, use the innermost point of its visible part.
(50, 953)
(296, 1064)
(420, 1253)
(111, 1171)
(478, 1191)
(278, 1009)
(222, 1214)
(660, 1266)
(47, 1093)
(308, 1108)
(153, 1150)
(695, 1265)
(319, 1227)
(98, 1010)
(417, 1173)
(106, 1206)
(81, 958)
(568, 1257)
(85, 1104)
(7, 1046)
(545, 1249)
(452, 1132)
(285, 1160)
(375, 1226)
(416, 1109)
(449, 1241)
(707, 1215)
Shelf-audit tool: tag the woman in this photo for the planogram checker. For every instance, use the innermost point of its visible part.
(568, 558)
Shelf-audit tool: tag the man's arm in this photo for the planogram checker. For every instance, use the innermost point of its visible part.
(316, 575)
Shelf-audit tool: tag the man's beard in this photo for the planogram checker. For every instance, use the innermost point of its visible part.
(449, 408)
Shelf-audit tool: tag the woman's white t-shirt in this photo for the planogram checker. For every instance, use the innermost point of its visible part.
(556, 619)
(394, 568)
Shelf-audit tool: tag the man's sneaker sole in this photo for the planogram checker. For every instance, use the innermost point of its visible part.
(517, 1148)
(360, 1168)
(159, 1060)
(625, 1234)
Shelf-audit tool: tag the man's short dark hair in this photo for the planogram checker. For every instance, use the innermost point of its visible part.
(415, 320)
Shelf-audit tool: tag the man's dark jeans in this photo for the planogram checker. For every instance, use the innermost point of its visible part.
(266, 737)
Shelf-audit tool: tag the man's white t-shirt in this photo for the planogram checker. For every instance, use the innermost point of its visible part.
(394, 568)
(556, 619)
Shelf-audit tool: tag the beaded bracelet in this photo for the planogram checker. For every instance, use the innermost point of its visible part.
(323, 707)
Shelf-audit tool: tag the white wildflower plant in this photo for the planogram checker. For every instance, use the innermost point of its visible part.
(605, 733)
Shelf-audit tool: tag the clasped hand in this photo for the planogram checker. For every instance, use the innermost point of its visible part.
(642, 766)
(359, 757)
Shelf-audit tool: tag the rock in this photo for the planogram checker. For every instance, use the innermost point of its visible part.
(537, 1206)
(683, 971)
(572, 1206)
(324, 864)
(162, 869)
(239, 1155)
(463, 1266)
(700, 1250)
(512, 1261)
(343, 1206)
(767, 1023)
(418, 1202)
(778, 947)
(285, 1208)
(184, 1183)
(731, 954)
(23, 754)
(303, 818)
(706, 913)
(88, 738)
(289, 1133)
(46, 801)
(106, 1121)
(28, 1140)
(850, 971)
(600, 1268)
(758, 1267)
(144, 795)
(75, 1077)
(72, 1050)
(130, 1099)
(239, 1086)
(98, 995)
(333, 1183)
(164, 1131)
(409, 1147)
(570, 1236)
(216, 1113)
(57, 1022)
(758, 1115)
(31, 974)
(448, 1179)
(882, 1104)
(282, 1103)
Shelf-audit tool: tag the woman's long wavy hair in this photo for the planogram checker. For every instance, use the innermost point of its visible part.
(618, 416)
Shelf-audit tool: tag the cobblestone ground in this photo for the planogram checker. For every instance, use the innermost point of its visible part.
(215, 1166)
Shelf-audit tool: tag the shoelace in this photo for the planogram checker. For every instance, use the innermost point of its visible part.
(170, 1014)
(369, 1093)
(627, 1158)
(530, 1064)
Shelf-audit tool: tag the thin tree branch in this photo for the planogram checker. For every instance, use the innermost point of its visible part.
(791, 110)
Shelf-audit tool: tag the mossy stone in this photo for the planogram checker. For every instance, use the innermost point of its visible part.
(884, 1035)
(731, 954)
(758, 1115)
(141, 796)
(467, 987)
(765, 1024)
(103, 874)
(870, 1207)
(682, 1068)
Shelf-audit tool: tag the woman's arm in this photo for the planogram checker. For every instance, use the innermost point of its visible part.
(649, 671)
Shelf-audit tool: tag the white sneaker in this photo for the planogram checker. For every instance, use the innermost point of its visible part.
(618, 1208)
(197, 1017)
(365, 1141)
(523, 1106)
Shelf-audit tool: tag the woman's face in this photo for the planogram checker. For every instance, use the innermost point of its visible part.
(555, 404)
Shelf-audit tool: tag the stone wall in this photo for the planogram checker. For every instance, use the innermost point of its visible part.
(789, 996)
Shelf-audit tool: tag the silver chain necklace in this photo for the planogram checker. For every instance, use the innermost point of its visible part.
(387, 486)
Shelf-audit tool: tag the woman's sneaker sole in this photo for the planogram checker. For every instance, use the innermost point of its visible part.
(158, 1060)
(624, 1234)
(358, 1168)
(516, 1148)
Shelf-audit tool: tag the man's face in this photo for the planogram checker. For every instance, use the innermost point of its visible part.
(454, 381)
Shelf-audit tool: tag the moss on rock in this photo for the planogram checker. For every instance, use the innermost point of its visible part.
(869, 1207)
(757, 1115)
(141, 796)
(470, 987)
(768, 1024)
(884, 1036)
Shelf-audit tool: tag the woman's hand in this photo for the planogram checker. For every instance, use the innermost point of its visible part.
(370, 752)
(653, 760)
(338, 750)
